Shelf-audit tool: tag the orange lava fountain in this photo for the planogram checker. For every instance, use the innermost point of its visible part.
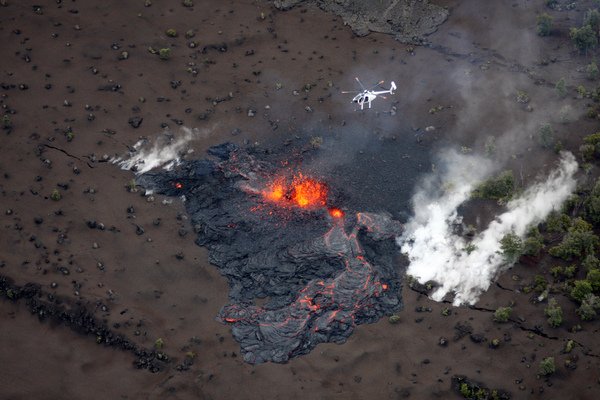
(302, 192)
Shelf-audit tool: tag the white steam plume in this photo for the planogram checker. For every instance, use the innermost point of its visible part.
(437, 253)
(166, 151)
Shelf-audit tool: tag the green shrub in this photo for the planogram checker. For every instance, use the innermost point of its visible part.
(159, 343)
(583, 38)
(557, 222)
(502, 314)
(547, 366)
(544, 24)
(592, 205)
(588, 151)
(512, 247)
(546, 136)
(593, 277)
(590, 262)
(592, 18)
(554, 313)
(499, 188)
(540, 284)
(171, 32)
(588, 308)
(55, 195)
(6, 122)
(533, 243)
(579, 241)
(580, 290)
(164, 54)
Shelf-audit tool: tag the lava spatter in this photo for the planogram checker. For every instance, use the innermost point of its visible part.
(323, 272)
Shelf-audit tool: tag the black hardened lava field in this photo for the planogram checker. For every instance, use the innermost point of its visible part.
(288, 241)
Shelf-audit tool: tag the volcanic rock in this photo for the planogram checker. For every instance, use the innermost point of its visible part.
(322, 270)
(408, 20)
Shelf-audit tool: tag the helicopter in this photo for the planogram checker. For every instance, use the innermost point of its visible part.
(368, 95)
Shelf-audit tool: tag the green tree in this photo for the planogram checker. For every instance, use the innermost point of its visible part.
(593, 277)
(592, 18)
(533, 243)
(588, 308)
(544, 24)
(499, 188)
(579, 241)
(554, 313)
(512, 247)
(580, 290)
(584, 38)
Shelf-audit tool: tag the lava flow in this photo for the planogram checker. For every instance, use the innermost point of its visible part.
(321, 273)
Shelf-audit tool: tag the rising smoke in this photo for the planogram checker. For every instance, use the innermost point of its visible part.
(438, 253)
(166, 151)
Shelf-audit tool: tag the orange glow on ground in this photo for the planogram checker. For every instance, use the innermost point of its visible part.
(178, 185)
(302, 192)
(308, 192)
(336, 213)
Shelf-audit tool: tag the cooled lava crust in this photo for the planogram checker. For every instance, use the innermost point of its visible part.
(281, 236)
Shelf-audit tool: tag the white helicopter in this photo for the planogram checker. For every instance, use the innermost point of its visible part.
(368, 95)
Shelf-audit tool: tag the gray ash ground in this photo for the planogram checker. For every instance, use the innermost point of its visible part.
(318, 274)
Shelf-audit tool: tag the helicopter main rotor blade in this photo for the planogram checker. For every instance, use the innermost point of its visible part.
(351, 91)
(377, 84)
(360, 83)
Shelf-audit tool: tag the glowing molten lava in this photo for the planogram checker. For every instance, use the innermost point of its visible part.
(301, 191)
(308, 192)
(336, 213)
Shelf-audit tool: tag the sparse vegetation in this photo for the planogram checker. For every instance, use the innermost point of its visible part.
(394, 319)
(592, 71)
(561, 87)
(544, 24)
(502, 314)
(499, 188)
(580, 240)
(557, 222)
(188, 3)
(546, 136)
(587, 311)
(55, 195)
(159, 343)
(581, 289)
(547, 366)
(554, 313)
(164, 53)
(171, 32)
(583, 38)
(533, 243)
(6, 121)
(512, 247)
(522, 97)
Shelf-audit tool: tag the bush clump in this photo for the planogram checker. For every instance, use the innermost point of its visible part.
(547, 366)
(579, 241)
(584, 38)
(544, 24)
(501, 187)
(533, 243)
(587, 311)
(581, 289)
(502, 314)
(554, 313)
(512, 247)
(164, 53)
